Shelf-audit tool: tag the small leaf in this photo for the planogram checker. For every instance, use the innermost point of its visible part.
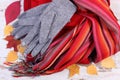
(92, 70)
(7, 30)
(12, 43)
(73, 69)
(12, 12)
(21, 48)
(9, 38)
(12, 56)
(108, 63)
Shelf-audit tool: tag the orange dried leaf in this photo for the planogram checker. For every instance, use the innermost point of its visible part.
(21, 48)
(73, 69)
(9, 38)
(12, 56)
(12, 43)
(92, 70)
(7, 30)
(108, 63)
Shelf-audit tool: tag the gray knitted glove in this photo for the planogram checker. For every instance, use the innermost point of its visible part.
(41, 24)
(52, 20)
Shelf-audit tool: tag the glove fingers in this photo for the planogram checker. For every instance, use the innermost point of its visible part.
(31, 45)
(36, 50)
(40, 48)
(44, 48)
(32, 33)
(17, 30)
(46, 24)
(15, 24)
(22, 32)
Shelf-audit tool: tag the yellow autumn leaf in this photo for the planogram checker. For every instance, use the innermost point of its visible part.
(73, 69)
(12, 56)
(7, 30)
(21, 48)
(108, 63)
(92, 70)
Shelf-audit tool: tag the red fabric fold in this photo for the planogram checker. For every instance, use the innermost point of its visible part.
(28, 4)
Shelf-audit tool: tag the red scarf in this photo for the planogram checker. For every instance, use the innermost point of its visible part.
(32, 3)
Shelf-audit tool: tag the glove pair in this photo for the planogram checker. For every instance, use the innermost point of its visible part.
(37, 27)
